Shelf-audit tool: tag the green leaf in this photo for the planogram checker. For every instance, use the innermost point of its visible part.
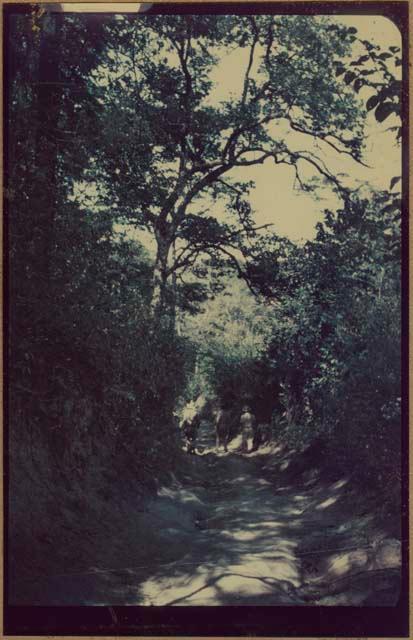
(383, 111)
(356, 63)
(393, 206)
(358, 84)
(368, 45)
(372, 102)
(394, 181)
(349, 77)
(384, 56)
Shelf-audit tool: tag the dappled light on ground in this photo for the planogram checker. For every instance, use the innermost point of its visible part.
(243, 529)
(262, 541)
(326, 503)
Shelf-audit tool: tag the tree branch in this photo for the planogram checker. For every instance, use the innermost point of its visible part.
(208, 179)
(249, 163)
(238, 130)
(250, 61)
(321, 168)
(185, 262)
(241, 272)
(194, 251)
(324, 137)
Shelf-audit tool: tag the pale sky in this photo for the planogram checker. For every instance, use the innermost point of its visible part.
(275, 198)
(294, 213)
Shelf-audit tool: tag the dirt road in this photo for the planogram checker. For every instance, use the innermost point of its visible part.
(262, 538)
(241, 529)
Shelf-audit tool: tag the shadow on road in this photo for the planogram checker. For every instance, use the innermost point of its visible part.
(243, 529)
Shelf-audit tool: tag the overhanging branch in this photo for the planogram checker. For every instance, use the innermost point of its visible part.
(325, 138)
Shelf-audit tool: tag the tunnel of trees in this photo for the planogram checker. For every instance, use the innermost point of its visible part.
(129, 295)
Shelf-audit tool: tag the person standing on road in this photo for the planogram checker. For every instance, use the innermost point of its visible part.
(247, 423)
(222, 428)
(190, 424)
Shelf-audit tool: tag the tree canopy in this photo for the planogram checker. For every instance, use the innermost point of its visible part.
(170, 158)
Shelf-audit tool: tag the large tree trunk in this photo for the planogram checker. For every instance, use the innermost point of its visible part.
(161, 302)
(175, 313)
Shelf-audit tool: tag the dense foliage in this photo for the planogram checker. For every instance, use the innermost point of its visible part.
(337, 340)
(321, 358)
(113, 122)
(84, 363)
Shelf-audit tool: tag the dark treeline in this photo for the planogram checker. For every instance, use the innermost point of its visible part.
(108, 338)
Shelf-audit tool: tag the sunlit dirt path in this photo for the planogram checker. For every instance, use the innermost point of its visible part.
(242, 529)
(240, 551)
(261, 540)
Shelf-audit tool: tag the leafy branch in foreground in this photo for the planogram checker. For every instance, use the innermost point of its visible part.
(377, 71)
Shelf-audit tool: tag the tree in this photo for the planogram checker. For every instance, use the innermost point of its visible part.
(75, 287)
(91, 388)
(377, 74)
(336, 341)
(49, 107)
(174, 151)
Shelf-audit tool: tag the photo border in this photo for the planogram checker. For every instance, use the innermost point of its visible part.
(234, 621)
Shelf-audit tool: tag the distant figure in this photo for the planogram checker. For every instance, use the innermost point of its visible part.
(247, 423)
(222, 428)
(190, 424)
(262, 435)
